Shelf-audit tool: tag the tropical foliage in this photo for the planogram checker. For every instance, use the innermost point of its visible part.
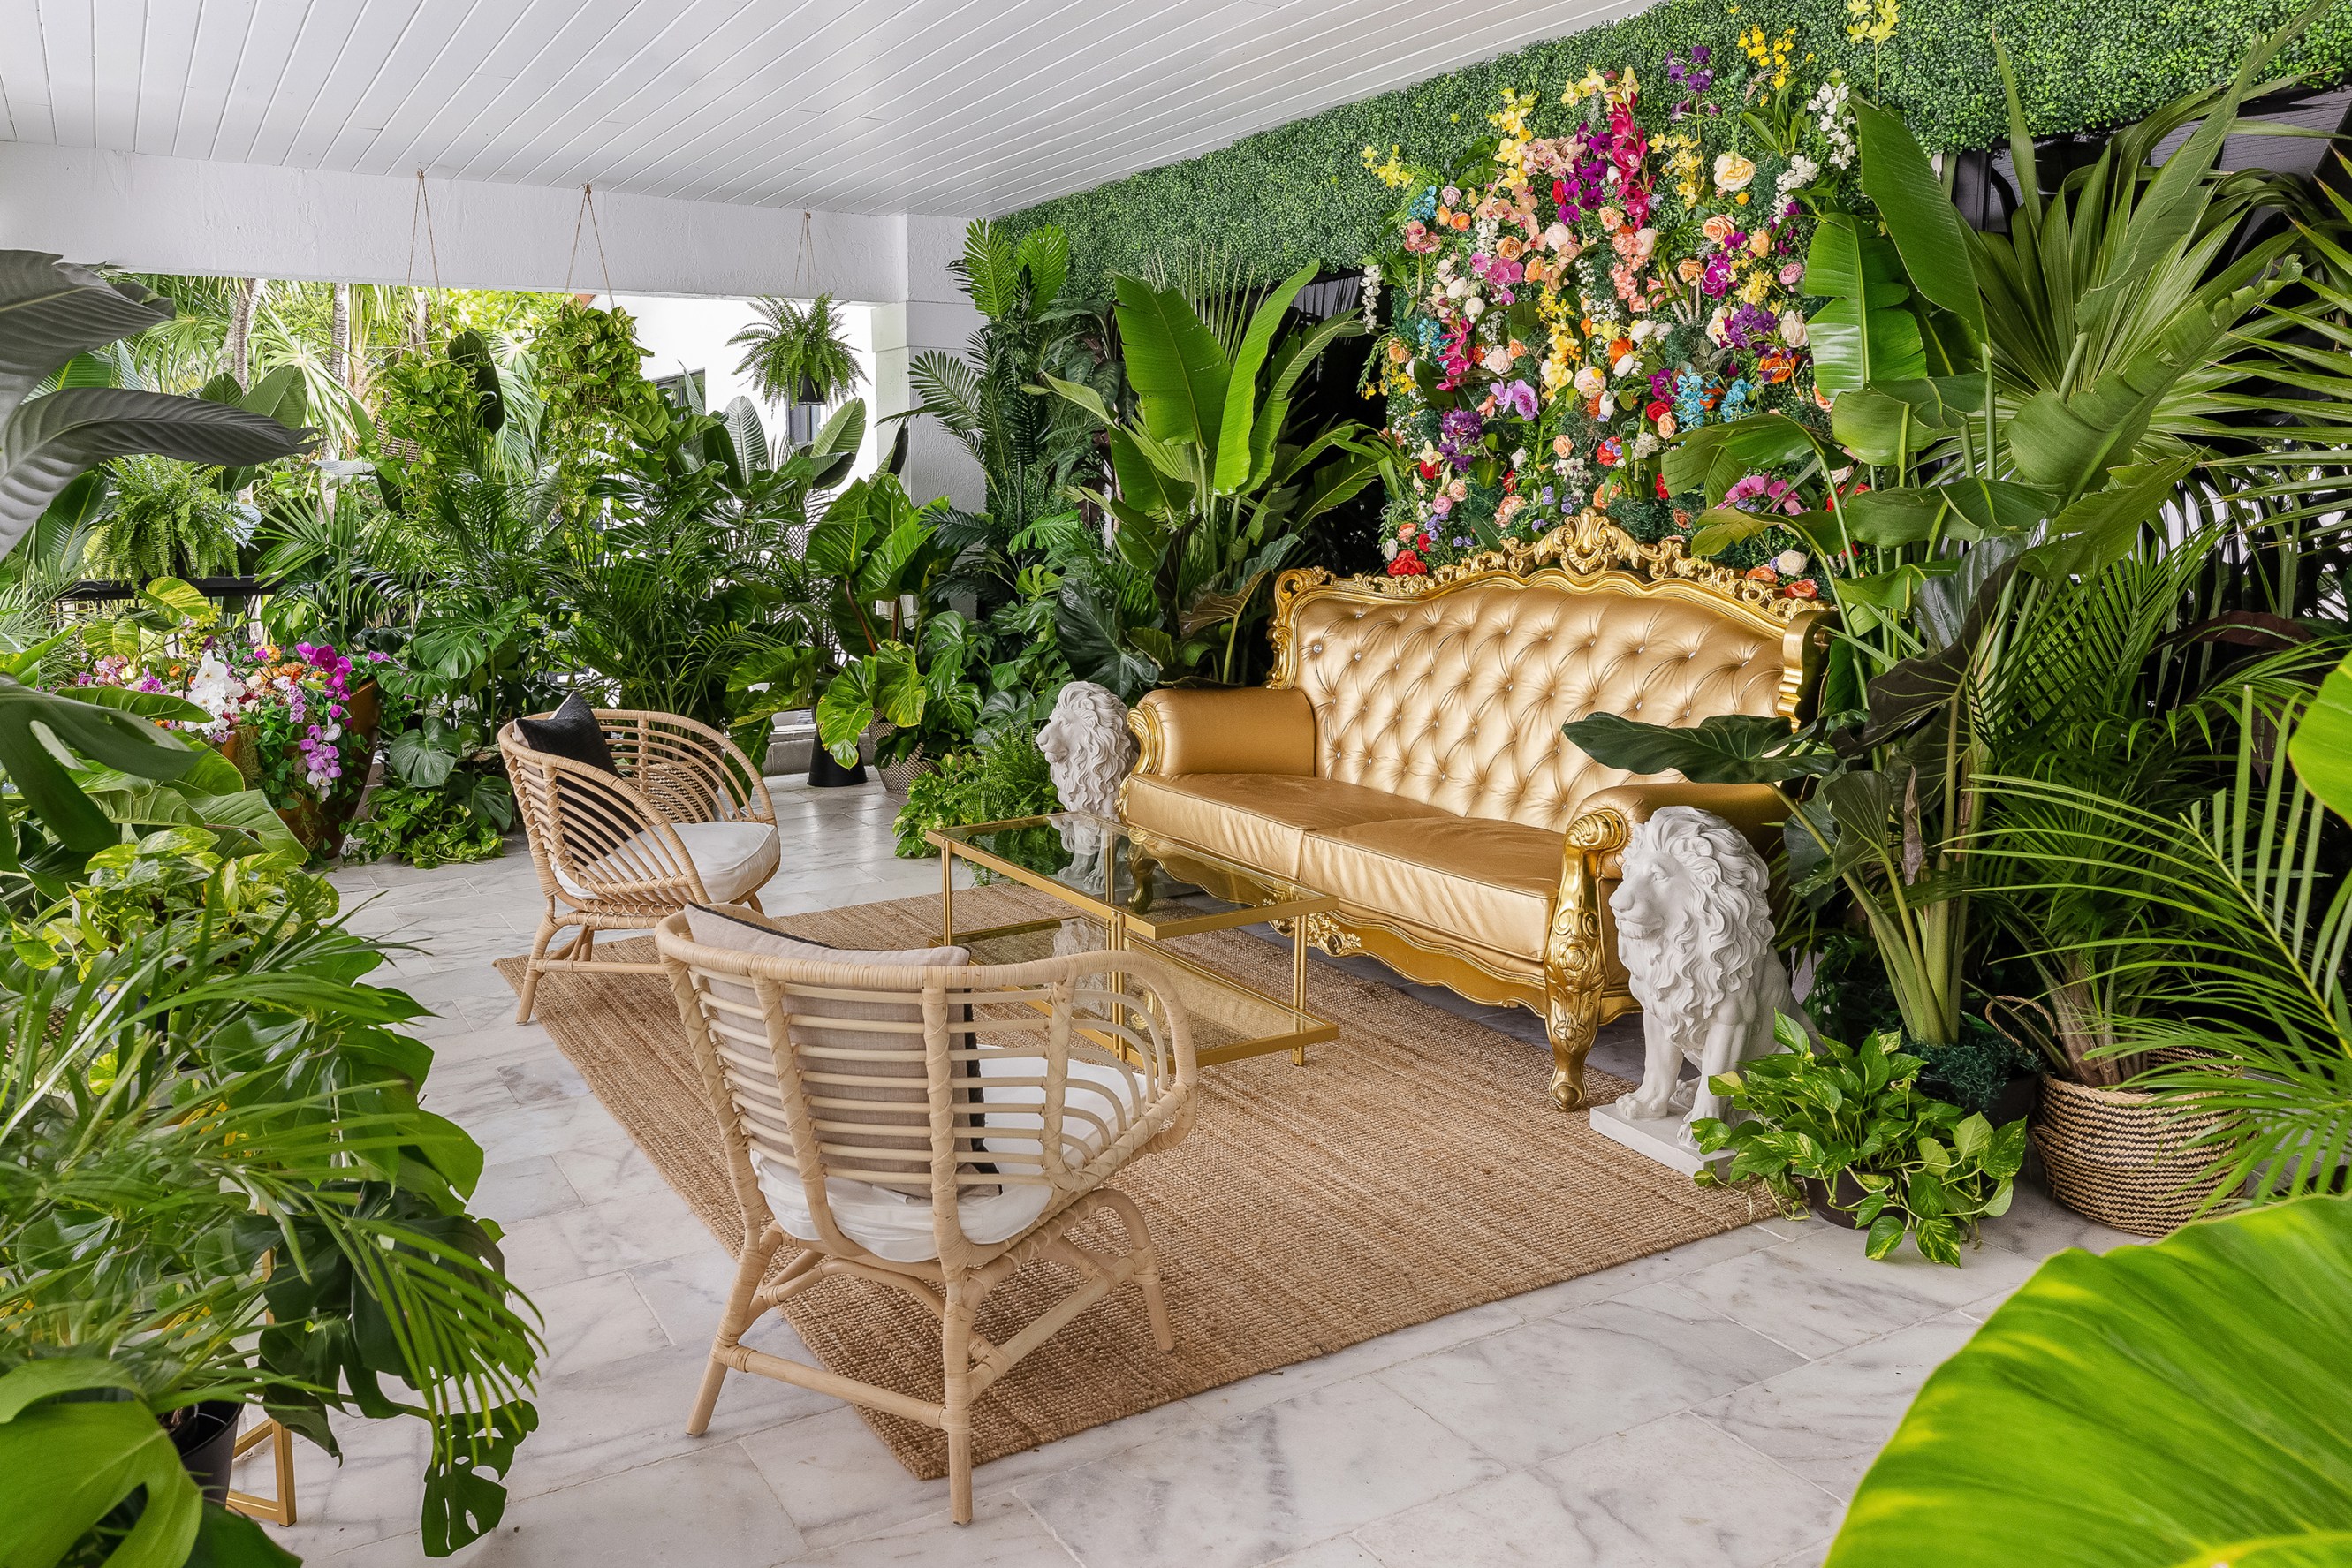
(794, 352)
(2181, 1402)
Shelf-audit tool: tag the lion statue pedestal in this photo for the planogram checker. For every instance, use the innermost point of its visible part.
(1695, 933)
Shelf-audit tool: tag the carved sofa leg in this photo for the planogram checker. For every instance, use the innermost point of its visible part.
(1574, 964)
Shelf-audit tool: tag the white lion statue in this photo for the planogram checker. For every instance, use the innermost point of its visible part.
(1088, 747)
(1695, 933)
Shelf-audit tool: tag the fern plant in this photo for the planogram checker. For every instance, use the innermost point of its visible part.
(166, 519)
(795, 353)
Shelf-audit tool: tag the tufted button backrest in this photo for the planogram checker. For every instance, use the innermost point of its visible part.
(1457, 699)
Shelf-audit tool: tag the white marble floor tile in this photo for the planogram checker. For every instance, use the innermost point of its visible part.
(707, 1510)
(601, 1237)
(1563, 1382)
(1002, 1533)
(1248, 1490)
(1819, 1293)
(522, 1189)
(1827, 1420)
(2038, 1224)
(1675, 1493)
(1340, 1551)
(590, 1324)
(840, 1482)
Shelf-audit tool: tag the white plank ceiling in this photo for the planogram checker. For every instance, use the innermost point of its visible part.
(960, 107)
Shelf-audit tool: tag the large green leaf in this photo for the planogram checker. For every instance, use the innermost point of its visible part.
(2101, 527)
(67, 1465)
(49, 440)
(2188, 1403)
(1729, 749)
(1087, 629)
(1173, 361)
(52, 311)
(1862, 335)
(1291, 361)
(1925, 225)
(113, 739)
(1044, 254)
(1232, 470)
(2322, 746)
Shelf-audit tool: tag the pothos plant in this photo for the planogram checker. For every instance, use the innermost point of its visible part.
(1829, 1112)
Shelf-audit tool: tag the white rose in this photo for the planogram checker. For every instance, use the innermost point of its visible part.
(1589, 381)
(1627, 364)
(1608, 404)
(1456, 287)
(1496, 359)
(1793, 328)
(1473, 308)
(1558, 238)
(1789, 562)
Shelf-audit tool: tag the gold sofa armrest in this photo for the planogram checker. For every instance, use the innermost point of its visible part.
(1245, 729)
(1756, 810)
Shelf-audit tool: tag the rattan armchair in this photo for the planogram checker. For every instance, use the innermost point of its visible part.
(687, 821)
(942, 1185)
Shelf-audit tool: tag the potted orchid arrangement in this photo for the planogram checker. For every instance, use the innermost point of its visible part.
(298, 720)
(1596, 279)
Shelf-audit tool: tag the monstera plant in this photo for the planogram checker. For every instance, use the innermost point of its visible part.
(50, 311)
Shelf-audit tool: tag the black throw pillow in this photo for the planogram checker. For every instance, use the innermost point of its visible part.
(737, 915)
(569, 732)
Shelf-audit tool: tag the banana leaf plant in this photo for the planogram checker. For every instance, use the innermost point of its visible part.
(51, 311)
(2185, 1403)
(875, 548)
(1212, 499)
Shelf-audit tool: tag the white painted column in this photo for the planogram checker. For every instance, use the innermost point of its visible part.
(932, 312)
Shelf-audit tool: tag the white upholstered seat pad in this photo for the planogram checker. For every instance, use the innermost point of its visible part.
(898, 1224)
(731, 858)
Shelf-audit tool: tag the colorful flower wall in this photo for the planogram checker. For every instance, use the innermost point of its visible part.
(1623, 260)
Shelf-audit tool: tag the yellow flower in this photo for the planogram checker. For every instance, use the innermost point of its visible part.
(1873, 20)
(1393, 173)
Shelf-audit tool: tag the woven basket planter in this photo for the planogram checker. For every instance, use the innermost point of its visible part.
(899, 774)
(2117, 1156)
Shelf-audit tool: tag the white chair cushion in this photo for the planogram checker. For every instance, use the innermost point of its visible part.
(898, 1226)
(731, 858)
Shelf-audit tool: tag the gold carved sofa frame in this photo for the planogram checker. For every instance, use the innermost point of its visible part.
(1302, 769)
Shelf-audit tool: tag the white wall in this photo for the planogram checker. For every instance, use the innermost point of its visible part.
(689, 334)
(932, 312)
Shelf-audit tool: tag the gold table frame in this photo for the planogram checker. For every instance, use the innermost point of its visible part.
(1294, 912)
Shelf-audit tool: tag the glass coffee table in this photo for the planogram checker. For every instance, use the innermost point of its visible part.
(1127, 890)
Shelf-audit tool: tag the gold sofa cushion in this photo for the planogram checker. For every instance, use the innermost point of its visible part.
(1258, 819)
(1456, 700)
(1484, 885)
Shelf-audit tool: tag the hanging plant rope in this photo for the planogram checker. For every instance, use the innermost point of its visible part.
(587, 215)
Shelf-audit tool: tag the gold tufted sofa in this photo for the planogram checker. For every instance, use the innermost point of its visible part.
(1406, 756)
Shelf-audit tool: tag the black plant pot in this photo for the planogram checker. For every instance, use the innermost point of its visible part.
(809, 391)
(2016, 1100)
(824, 773)
(1849, 1192)
(206, 1439)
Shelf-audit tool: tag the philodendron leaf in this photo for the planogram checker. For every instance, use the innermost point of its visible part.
(1729, 749)
(2321, 748)
(2182, 1403)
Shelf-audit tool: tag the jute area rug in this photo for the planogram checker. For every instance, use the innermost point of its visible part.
(1414, 1167)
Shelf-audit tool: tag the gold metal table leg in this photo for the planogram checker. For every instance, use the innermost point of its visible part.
(278, 1509)
(946, 897)
(1298, 987)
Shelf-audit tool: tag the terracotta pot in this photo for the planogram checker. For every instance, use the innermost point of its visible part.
(317, 823)
(2117, 1156)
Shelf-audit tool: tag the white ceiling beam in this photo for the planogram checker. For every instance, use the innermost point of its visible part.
(190, 215)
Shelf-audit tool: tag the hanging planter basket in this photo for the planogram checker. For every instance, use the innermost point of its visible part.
(2118, 1156)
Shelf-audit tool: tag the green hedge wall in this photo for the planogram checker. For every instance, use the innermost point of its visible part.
(1299, 191)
